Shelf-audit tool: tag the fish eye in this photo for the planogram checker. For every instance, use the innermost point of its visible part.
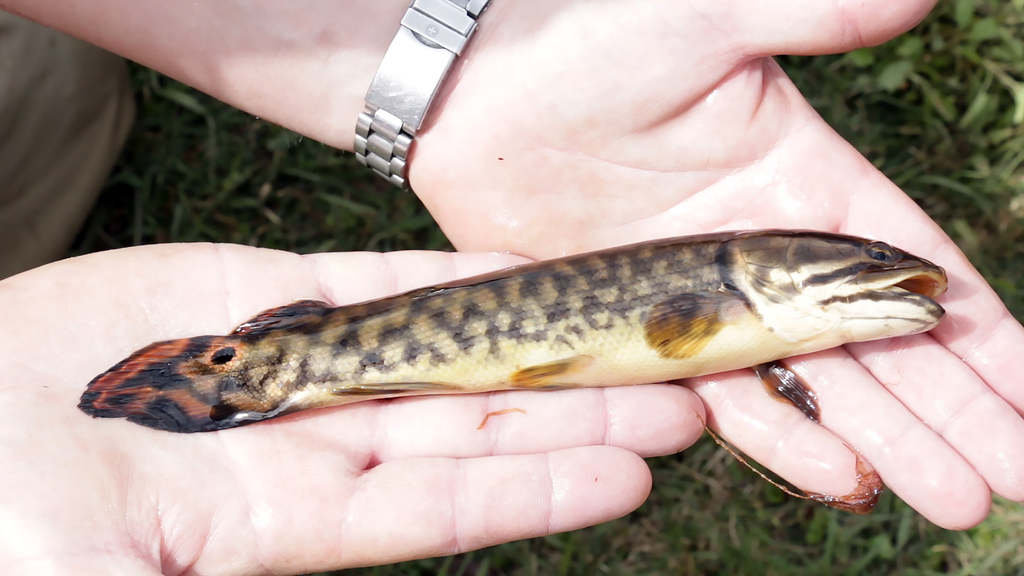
(880, 251)
(223, 356)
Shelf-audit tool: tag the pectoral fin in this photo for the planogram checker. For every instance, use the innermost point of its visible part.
(287, 316)
(545, 376)
(681, 326)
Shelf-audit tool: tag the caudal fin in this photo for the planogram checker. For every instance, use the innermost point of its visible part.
(159, 387)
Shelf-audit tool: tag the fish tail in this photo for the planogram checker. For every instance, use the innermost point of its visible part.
(161, 386)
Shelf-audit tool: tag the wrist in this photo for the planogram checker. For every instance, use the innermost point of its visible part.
(304, 64)
(313, 76)
(432, 34)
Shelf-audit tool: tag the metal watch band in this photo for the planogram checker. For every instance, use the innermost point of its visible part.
(432, 34)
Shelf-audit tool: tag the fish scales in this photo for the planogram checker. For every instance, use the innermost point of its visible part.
(479, 335)
(644, 313)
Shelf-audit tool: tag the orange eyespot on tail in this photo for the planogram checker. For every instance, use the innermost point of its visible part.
(159, 387)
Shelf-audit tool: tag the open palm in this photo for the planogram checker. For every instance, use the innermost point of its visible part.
(568, 126)
(365, 484)
(580, 125)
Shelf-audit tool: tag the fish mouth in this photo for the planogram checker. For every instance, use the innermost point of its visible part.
(921, 278)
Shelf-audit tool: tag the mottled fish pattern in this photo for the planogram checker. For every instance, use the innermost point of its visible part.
(638, 314)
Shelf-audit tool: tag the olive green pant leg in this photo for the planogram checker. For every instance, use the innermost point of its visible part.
(65, 111)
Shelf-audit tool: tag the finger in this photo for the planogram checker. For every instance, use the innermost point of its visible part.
(912, 460)
(648, 420)
(809, 27)
(952, 400)
(977, 328)
(431, 507)
(973, 310)
(776, 434)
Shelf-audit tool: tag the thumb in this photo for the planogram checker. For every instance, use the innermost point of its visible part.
(809, 27)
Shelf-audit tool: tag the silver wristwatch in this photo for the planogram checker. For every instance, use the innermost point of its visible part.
(432, 34)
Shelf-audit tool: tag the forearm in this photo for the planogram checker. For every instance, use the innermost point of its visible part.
(305, 64)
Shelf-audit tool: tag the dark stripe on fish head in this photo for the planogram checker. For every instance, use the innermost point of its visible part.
(834, 287)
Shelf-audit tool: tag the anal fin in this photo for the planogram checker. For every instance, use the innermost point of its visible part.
(784, 385)
(544, 376)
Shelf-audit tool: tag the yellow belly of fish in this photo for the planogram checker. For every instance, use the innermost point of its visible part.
(610, 357)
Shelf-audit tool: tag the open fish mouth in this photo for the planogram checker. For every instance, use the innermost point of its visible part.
(923, 279)
(931, 284)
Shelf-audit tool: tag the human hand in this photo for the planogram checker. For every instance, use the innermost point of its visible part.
(575, 126)
(569, 126)
(370, 483)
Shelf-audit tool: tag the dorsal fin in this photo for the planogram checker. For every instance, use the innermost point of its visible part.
(288, 316)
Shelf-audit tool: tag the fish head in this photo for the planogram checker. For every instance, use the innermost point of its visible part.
(837, 288)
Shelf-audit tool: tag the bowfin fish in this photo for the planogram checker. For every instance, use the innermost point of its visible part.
(649, 312)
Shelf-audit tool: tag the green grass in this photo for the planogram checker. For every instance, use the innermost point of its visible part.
(940, 110)
(195, 169)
